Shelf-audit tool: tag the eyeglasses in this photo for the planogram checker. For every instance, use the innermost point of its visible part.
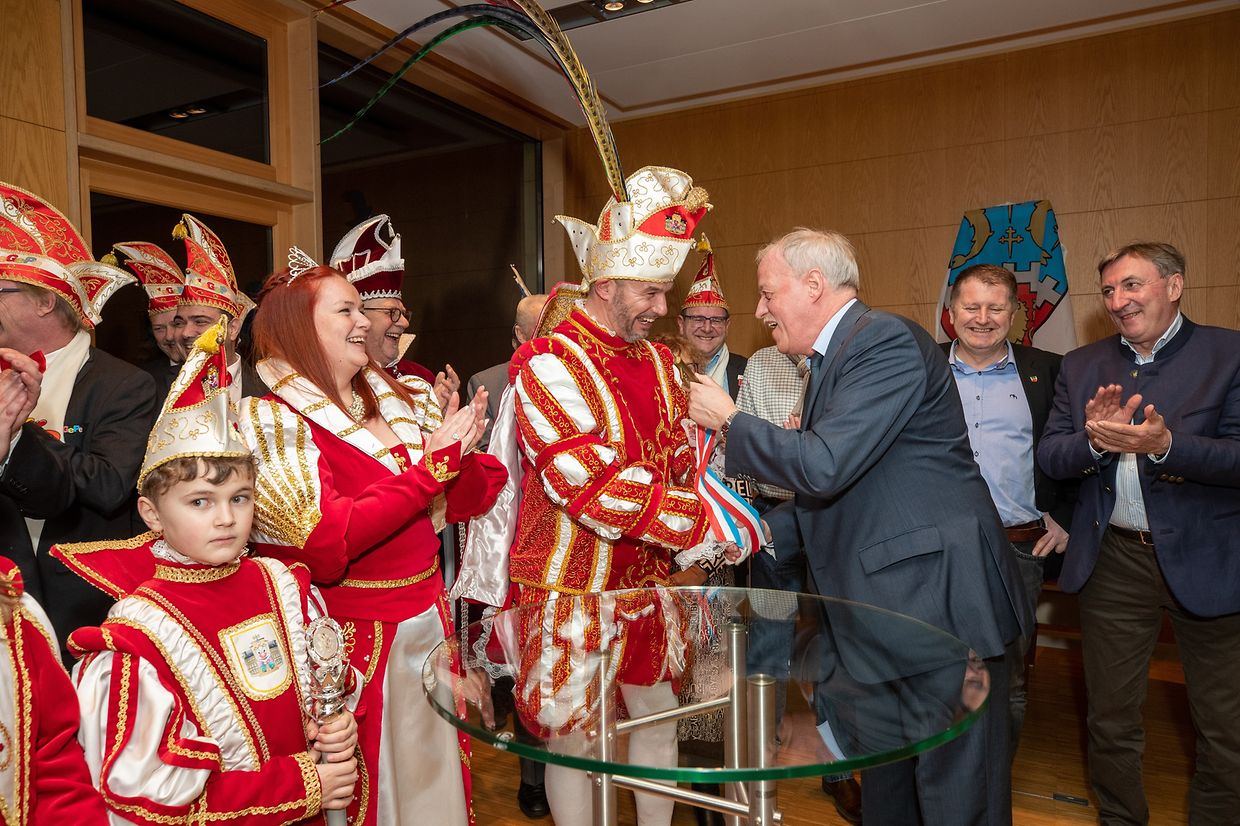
(393, 313)
(11, 290)
(704, 320)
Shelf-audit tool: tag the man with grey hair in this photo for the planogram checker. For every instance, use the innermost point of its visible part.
(1149, 421)
(73, 419)
(889, 505)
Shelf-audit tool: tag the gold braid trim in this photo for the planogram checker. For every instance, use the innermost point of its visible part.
(72, 553)
(171, 573)
(310, 779)
(375, 651)
(391, 583)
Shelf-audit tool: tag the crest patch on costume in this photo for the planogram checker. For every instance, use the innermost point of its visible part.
(257, 657)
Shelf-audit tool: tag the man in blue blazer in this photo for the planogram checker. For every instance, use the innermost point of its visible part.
(890, 506)
(1149, 420)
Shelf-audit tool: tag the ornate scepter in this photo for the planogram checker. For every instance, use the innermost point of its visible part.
(329, 668)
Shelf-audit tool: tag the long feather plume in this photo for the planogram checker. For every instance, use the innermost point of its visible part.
(516, 17)
(555, 41)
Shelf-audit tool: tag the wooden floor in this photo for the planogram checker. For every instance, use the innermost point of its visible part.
(1051, 760)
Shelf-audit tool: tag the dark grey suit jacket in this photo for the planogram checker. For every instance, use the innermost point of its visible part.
(495, 380)
(890, 506)
(83, 486)
(735, 373)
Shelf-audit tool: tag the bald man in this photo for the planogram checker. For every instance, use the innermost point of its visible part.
(495, 379)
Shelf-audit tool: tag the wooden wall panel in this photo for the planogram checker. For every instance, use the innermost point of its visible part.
(1132, 135)
(33, 157)
(31, 75)
(33, 150)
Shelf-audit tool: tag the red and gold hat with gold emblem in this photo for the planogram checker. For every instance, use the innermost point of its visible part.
(160, 276)
(705, 290)
(209, 276)
(197, 418)
(369, 256)
(645, 237)
(39, 246)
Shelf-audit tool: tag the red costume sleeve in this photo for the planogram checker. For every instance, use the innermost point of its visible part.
(560, 415)
(473, 491)
(61, 790)
(351, 526)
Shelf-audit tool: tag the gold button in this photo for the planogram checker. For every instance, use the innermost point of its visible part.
(1134, 374)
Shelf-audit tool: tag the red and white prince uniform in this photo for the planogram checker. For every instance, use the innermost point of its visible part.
(193, 692)
(363, 519)
(43, 776)
(608, 494)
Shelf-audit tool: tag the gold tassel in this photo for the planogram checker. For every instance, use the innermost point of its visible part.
(211, 339)
(696, 198)
(179, 232)
(703, 244)
(109, 258)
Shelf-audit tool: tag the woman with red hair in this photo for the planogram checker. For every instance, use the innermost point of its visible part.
(353, 484)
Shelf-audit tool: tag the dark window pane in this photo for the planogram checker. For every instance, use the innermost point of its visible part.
(125, 331)
(158, 66)
(463, 192)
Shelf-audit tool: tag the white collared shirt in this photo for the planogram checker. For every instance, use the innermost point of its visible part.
(1129, 509)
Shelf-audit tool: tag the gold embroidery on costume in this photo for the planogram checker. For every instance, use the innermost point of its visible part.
(172, 573)
(440, 470)
(310, 780)
(71, 552)
(286, 492)
(372, 663)
(391, 583)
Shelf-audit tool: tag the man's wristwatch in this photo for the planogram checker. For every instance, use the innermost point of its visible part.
(723, 430)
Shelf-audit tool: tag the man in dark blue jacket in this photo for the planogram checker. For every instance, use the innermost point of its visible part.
(1149, 421)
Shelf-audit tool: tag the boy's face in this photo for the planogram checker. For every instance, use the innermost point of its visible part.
(208, 523)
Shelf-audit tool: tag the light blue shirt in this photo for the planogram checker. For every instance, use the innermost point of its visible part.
(1000, 429)
(833, 323)
(1129, 502)
(714, 362)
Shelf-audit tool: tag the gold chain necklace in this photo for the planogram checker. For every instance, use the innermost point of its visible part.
(357, 408)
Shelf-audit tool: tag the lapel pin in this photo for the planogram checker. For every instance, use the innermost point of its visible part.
(1033, 379)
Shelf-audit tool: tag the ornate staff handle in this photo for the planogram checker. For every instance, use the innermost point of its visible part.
(329, 668)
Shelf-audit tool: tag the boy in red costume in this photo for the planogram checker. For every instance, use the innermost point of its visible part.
(193, 693)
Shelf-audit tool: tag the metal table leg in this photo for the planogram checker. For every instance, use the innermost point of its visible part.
(604, 792)
(735, 716)
(761, 696)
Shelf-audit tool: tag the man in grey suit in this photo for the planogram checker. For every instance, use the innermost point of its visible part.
(890, 506)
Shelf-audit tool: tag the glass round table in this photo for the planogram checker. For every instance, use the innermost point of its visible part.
(732, 686)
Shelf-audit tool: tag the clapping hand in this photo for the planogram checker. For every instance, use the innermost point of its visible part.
(461, 424)
(1108, 424)
(447, 382)
(20, 385)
